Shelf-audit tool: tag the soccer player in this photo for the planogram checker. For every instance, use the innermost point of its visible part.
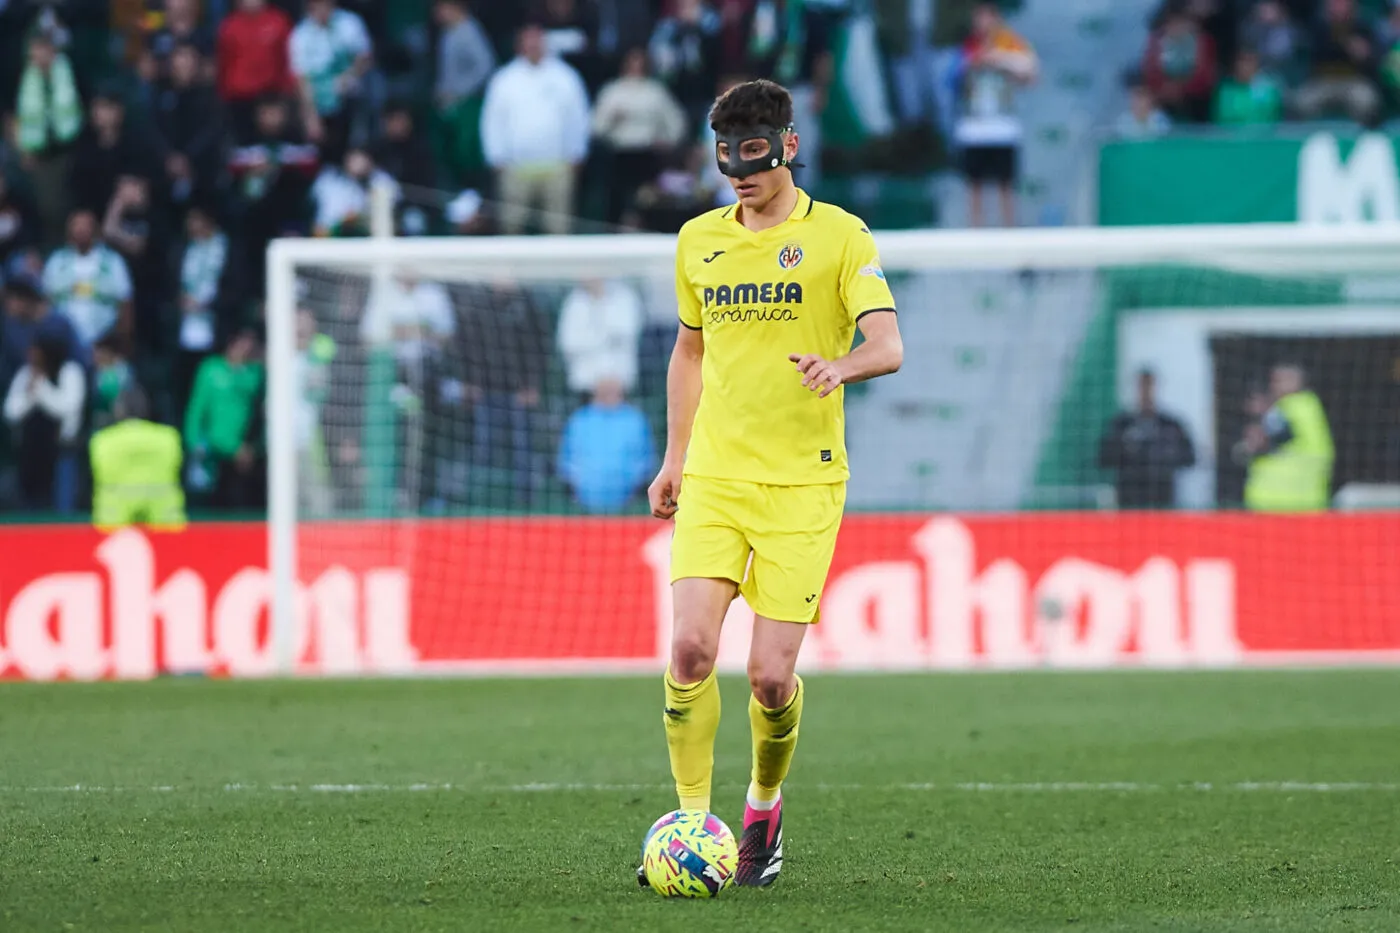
(771, 291)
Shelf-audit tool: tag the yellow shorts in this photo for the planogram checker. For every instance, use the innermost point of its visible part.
(790, 531)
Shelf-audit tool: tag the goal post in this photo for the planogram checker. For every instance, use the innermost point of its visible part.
(978, 464)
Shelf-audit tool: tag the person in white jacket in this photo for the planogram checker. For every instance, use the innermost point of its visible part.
(600, 329)
(44, 407)
(640, 122)
(534, 133)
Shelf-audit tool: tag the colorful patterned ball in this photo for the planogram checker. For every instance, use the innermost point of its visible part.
(689, 853)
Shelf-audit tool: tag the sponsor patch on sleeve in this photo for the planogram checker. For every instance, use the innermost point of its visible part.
(873, 269)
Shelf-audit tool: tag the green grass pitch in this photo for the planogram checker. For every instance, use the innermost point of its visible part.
(1243, 801)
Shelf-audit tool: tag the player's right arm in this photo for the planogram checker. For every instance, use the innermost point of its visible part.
(682, 400)
(683, 386)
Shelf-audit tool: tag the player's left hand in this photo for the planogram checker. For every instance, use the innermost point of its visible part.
(820, 375)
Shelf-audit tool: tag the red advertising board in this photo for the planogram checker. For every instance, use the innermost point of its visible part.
(552, 594)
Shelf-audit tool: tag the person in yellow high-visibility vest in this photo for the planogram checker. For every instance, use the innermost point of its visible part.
(136, 467)
(1290, 451)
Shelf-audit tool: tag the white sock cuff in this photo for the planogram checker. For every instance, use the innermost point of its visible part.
(757, 804)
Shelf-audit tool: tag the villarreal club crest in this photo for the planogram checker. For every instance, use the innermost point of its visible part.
(790, 256)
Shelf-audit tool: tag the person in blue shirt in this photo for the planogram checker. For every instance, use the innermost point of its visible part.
(607, 453)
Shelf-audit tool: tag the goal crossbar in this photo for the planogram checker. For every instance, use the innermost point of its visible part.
(1264, 247)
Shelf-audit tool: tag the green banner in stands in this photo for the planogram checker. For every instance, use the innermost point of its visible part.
(1319, 177)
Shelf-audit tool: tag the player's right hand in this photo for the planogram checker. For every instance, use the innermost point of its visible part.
(665, 491)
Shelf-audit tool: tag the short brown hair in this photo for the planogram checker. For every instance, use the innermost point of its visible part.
(753, 103)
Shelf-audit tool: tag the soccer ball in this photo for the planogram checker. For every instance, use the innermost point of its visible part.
(689, 853)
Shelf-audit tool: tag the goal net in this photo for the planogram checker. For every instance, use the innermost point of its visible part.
(1106, 447)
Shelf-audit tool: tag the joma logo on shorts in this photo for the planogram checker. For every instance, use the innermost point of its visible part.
(750, 293)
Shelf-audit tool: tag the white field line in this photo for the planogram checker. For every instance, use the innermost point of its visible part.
(1034, 787)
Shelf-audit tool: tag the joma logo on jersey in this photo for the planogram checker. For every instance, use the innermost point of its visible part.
(749, 293)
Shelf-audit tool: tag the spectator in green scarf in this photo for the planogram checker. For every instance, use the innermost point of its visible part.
(48, 118)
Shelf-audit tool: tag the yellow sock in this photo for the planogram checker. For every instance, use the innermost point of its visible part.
(774, 741)
(692, 719)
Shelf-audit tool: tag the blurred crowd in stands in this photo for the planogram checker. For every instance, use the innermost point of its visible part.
(1261, 62)
(152, 148)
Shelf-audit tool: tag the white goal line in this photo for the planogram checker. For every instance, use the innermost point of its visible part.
(1052, 787)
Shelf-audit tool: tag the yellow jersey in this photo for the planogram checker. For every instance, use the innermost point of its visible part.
(798, 287)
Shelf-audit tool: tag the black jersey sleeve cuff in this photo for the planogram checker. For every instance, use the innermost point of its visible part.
(874, 311)
(689, 326)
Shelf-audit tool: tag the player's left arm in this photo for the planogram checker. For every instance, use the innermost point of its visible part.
(882, 351)
(880, 354)
(866, 296)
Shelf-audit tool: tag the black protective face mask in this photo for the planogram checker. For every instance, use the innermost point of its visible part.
(738, 167)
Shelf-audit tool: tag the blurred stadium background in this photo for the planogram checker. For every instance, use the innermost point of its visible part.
(334, 343)
(1125, 434)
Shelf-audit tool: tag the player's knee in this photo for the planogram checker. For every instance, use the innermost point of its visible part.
(772, 684)
(692, 658)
